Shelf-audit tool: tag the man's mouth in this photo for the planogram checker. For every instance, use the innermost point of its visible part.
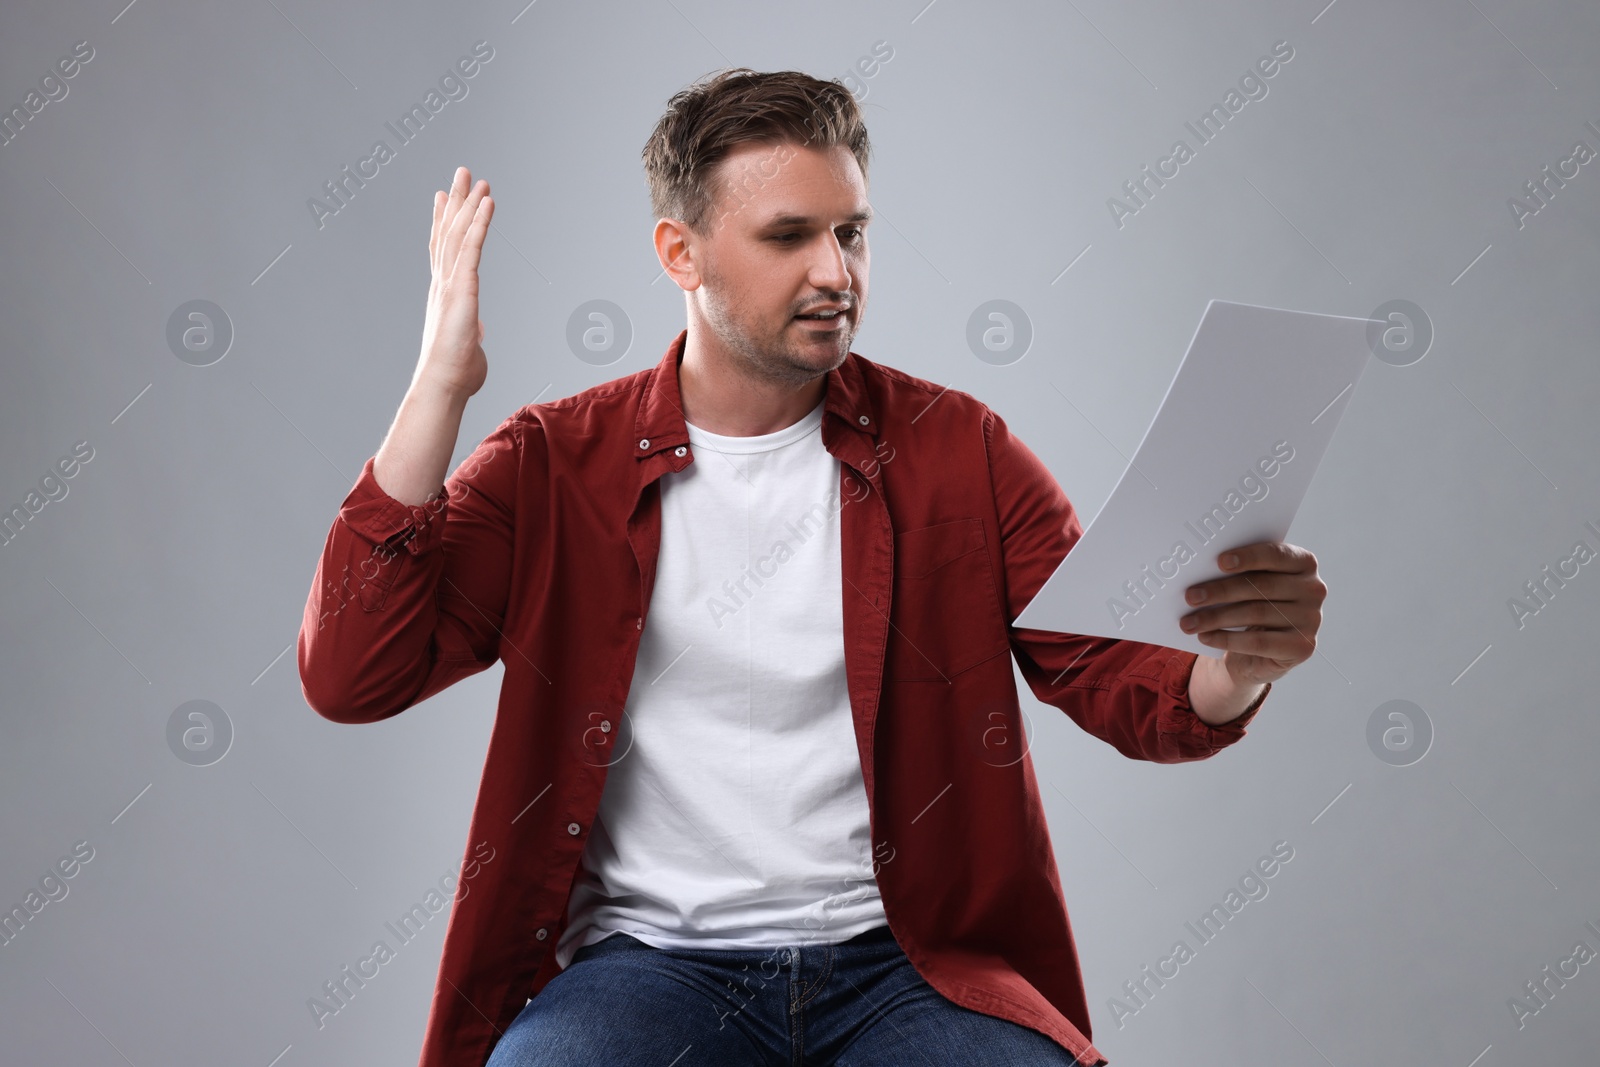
(823, 322)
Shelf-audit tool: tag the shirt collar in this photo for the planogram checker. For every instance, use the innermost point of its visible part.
(660, 422)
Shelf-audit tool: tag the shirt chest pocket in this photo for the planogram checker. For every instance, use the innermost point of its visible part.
(946, 608)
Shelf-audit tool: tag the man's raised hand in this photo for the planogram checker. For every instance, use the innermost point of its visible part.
(411, 464)
(452, 334)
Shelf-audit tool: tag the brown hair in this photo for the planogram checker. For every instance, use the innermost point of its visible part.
(733, 106)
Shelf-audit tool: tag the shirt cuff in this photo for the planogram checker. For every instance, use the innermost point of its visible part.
(381, 519)
(1196, 733)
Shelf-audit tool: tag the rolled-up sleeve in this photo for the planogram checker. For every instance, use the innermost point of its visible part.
(1132, 695)
(410, 599)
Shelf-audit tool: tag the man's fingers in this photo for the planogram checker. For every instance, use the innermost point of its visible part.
(1273, 590)
(459, 225)
(472, 241)
(1267, 556)
(1285, 571)
(439, 197)
(1272, 614)
(459, 185)
(458, 192)
(1296, 645)
(1252, 585)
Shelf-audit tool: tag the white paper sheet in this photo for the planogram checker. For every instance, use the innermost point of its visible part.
(1225, 463)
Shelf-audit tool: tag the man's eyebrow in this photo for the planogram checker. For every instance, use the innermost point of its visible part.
(864, 215)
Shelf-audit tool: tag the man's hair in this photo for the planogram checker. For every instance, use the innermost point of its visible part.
(733, 106)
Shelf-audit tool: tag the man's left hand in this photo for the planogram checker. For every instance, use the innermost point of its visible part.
(1272, 590)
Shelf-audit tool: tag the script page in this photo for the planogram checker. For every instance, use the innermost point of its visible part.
(1226, 462)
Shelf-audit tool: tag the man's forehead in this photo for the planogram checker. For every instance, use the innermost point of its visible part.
(782, 183)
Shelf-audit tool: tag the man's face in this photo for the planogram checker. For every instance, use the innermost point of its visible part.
(786, 236)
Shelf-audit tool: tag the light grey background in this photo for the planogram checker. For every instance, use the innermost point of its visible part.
(1420, 898)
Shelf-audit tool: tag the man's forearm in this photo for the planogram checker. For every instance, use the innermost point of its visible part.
(415, 456)
(1215, 696)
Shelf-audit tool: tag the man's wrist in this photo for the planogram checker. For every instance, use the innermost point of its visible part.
(440, 390)
(1216, 698)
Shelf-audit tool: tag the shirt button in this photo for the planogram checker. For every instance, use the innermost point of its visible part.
(638, 623)
(863, 420)
(645, 443)
(572, 828)
(542, 934)
(680, 451)
(605, 726)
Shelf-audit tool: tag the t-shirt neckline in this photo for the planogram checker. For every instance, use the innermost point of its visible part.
(765, 442)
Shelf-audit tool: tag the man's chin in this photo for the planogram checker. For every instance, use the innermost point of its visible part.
(819, 356)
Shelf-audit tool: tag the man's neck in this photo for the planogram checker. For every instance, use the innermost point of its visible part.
(720, 397)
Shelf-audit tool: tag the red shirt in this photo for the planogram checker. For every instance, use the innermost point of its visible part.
(542, 555)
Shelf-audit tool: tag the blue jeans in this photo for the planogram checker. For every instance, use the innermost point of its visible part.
(860, 1003)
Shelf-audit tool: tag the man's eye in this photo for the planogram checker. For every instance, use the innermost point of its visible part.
(853, 234)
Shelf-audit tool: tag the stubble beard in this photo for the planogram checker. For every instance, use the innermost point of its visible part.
(788, 359)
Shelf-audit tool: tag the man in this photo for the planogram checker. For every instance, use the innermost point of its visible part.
(755, 776)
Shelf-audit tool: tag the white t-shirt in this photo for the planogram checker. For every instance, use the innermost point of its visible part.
(738, 816)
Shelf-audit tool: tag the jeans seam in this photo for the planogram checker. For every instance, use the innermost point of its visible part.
(827, 969)
(796, 1022)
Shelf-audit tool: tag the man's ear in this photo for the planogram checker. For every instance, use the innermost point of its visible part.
(674, 252)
